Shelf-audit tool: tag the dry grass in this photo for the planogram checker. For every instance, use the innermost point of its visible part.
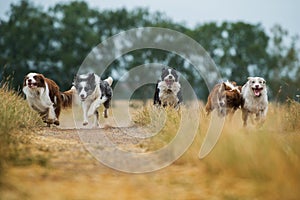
(265, 161)
(16, 119)
(14, 115)
(160, 121)
(291, 115)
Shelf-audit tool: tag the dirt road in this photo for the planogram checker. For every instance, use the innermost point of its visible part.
(72, 172)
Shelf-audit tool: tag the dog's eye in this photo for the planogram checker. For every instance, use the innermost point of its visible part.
(253, 81)
(86, 88)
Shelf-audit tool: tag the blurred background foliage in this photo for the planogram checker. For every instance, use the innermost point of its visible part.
(55, 42)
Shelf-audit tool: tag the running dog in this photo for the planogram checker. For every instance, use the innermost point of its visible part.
(225, 97)
(93, 92)
(168, 89)
(43, 96)
(255, 99)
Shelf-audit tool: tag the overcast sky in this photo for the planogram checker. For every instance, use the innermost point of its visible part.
(192, 12)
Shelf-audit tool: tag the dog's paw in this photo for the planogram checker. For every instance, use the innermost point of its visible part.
(50, 121)
(85, 123)
(56, 122)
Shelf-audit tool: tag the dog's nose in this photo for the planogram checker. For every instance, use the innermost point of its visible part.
(257, 86)
(82, 95)
(170, 77)
(29, 80)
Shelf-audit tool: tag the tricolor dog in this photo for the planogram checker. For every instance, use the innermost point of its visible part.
(225, 97)
(168, 89)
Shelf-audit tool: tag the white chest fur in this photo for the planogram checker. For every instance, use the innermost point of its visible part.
(168, 95)
(252, 103)
(38, 98)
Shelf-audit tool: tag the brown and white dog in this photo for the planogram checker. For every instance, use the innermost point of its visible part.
(43, 96)
(255, 99)
(225, 97)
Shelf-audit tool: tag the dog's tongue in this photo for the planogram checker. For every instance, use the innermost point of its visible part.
(169, 82)
(31, 85)
(257, 92)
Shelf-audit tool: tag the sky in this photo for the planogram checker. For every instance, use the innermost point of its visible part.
(193, 12)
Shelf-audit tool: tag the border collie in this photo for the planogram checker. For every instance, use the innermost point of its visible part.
(225, 97)
(168, 89)
(255, 99)
(43, 96)
(93, 92)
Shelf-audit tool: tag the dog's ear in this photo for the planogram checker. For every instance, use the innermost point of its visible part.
(75, 80)
(40, 78)
(163, 71)
(226, 87)
(24, 82)
(223, 86)
(91, 74)
(91, 77)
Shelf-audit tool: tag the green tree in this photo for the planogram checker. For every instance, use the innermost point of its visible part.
(56, 41)
(237, 48)
(74, 34)
(284, 64)
(24, 41)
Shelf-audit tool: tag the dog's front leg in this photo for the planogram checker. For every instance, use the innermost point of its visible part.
(95, 105)
(264, 115)
(96, 120)
(85, 116)
(261, 117)
(245, 116)
(51, 115)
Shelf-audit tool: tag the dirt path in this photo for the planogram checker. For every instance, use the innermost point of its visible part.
(72, 172)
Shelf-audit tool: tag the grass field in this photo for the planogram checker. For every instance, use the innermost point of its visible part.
(52, 163)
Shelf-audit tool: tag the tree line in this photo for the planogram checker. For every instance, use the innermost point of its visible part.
(55, 42)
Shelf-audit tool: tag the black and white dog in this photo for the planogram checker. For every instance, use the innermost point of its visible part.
(93, 92)
(168, 89)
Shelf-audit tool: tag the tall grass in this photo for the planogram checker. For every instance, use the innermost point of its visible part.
(267, 159)
(161, 122)
(16, 119)
(291, 117)
(15, 113)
